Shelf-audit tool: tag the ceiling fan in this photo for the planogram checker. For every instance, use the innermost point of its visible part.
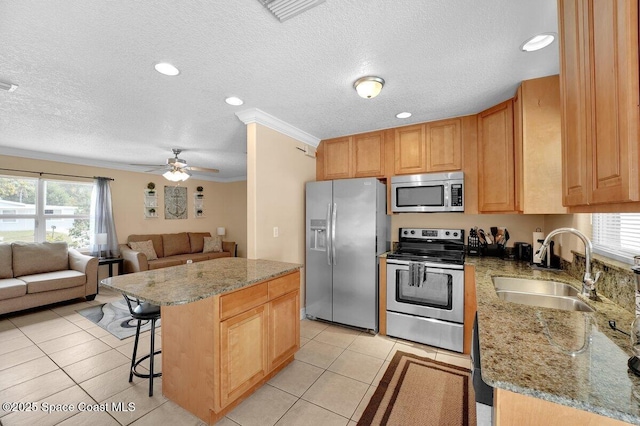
(177, 168)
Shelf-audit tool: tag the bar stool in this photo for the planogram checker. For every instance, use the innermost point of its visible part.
(144, 311)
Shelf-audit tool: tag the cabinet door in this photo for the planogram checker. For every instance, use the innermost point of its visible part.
(284, 328)
(368, 155)
(337, 158)
(575, 114)
(518, 177)
(496, 159)
(613, 75)
(444, 146)
(243, 352)
(410, 150)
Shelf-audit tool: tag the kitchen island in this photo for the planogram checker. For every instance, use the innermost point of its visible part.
(228, 326)
(549, 365)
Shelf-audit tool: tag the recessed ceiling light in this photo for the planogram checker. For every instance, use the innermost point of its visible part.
(538, 42)
(166, 69)
(9, 87)
(232, 100)
(403, 115)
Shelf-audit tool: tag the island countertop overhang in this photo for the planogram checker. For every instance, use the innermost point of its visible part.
(177, 285)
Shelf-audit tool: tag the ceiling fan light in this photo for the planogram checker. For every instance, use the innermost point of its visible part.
(368, 87)
(176, 175)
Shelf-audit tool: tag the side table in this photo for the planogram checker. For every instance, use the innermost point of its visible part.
(111, 261)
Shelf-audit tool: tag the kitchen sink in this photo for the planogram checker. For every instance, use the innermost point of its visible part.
(544, 301)
(550, 288)
(545, 294)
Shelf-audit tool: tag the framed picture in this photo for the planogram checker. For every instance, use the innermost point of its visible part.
(175, 202)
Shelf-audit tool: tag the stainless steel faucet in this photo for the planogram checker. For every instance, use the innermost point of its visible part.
(588, 281)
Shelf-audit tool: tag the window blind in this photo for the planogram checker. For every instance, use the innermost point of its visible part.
(616, 235)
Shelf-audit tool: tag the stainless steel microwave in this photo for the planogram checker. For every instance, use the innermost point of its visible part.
(428, 193)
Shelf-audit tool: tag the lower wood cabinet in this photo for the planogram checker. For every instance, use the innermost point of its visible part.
(217, 351)
(243, 352)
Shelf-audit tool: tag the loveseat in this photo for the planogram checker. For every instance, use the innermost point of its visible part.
(170, 250)
(36, 274)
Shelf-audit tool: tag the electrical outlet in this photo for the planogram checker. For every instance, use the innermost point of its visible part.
(275, 231)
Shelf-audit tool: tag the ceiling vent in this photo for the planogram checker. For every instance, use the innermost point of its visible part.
(286, 9)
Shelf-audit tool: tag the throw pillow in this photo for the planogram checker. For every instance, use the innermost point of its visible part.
(212, 245)
(145, 247)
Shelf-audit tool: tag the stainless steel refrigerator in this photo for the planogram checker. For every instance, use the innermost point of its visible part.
(347, 227)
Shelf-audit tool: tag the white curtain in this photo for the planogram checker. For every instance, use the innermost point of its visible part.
(102, 219)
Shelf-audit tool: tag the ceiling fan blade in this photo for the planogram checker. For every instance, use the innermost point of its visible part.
(203, 169)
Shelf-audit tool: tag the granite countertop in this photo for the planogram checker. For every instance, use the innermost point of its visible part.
(182, 284)
(570, 358)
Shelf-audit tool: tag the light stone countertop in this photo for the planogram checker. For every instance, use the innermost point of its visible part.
(570, 358)
(188, 283)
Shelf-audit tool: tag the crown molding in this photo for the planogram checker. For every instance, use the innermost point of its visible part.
(255, 115)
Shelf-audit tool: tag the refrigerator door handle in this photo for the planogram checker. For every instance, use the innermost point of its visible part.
(333, 233)
(328, 236)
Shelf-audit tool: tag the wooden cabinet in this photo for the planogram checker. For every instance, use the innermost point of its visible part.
(354, 156)
(337, 158)
(600, 89)
(496, 184)
(243, 352)
(368, 155)
(410, 152)
(284, 328)
(429, 147)
(538, 147)
(444, 145)
(218, 350)
(513, 408)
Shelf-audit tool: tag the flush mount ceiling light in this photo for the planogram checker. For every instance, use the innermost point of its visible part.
(176, 175)
(166, 69)
(9, 87)
(232, 100)
(368, 87)
(403, 115)
(538, 42)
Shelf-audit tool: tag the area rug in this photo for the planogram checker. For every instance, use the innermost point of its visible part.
(420, 391)
(115, 318)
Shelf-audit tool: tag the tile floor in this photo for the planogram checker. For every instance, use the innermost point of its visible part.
(59, 357)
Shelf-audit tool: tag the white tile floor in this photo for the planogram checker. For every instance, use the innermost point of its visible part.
(59, 357)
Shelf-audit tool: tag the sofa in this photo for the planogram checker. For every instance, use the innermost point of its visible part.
(36, 274)
(170, 250)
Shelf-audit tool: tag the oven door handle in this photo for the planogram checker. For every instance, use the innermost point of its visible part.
(435, 267)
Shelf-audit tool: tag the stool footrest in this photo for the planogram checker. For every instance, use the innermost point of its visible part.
(145, 375)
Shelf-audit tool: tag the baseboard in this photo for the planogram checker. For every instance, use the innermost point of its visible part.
(303, 313)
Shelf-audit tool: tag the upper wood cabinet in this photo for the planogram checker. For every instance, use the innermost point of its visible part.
(429, 147)
(444, 145)
(496, 181)
(337, 158)
(599, 82)
(368, 155)
(538, 147)
(410, 152)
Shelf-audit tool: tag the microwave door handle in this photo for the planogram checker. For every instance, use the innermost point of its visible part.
(446, 195)
(333, 233)
(328, 234)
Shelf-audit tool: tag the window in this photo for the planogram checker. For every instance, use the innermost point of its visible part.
(617, 235)
(39, 210)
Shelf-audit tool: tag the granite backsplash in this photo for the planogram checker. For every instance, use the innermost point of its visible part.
(617, 282)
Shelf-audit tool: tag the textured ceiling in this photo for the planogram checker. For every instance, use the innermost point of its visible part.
(88, 92)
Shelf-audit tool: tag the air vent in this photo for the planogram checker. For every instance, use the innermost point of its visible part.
(286, 9)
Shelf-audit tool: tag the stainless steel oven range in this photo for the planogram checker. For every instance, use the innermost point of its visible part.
(425, 287)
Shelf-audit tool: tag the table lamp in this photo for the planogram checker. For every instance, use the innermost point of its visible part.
(222, 231)
(101, 239)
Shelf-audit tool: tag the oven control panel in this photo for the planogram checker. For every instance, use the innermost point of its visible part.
(431, 234)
